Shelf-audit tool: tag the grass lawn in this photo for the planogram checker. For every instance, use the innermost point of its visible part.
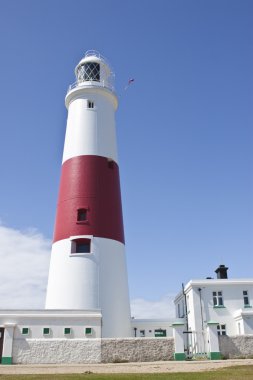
(231, 373)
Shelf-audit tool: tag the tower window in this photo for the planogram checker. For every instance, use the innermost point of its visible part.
(81, 214)
(90, 104)
(110, 164)
(81, 246)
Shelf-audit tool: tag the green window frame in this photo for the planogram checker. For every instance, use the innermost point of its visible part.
(25, 330)
(46, 330)
(67, 330)
(246, 302)
(88, 331)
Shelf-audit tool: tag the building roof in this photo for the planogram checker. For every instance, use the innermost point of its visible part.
(214, 282)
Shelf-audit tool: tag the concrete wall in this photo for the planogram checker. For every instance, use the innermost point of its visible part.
(236, 346)
(38, 351)
(137, 349)
(35, 351)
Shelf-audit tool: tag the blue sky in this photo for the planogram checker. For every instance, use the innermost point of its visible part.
(184, 130)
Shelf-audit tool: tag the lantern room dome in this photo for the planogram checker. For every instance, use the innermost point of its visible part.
(94, 70)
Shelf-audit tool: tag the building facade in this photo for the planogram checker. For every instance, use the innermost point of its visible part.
(152, 328)
(228, 302)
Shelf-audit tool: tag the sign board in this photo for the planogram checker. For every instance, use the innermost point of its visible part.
(160, 333)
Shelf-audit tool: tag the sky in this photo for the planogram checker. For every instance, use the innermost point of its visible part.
(184, 130)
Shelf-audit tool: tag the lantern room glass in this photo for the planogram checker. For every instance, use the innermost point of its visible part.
(89, 71)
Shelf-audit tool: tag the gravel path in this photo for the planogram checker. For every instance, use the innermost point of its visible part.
(150, 367)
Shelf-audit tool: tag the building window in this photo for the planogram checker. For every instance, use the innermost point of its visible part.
(46, 331)
(217, 299)
(81, 214)
(81, 246)
(142, 333)
(90, 104)
(25, 331)
(67, 331)
(221, 330)
(160, 333)
(88, 331)
(182, 314)
(180, 310)
(246, 298)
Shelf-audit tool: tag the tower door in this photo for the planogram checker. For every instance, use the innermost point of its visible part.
(1, 342)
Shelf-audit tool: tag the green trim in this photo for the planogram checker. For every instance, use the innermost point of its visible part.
(67, 331)
(219, 307)
(46, 331)
(247, 306)
(6, 360)
(88, 331)
(179, 356)
(214, 355)
(25, 331)
(177, 324)
(212, 323)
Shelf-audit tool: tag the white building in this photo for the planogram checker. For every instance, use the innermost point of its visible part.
(227, 302)
(152, 328)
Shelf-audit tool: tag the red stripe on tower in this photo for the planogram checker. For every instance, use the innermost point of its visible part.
(89, 183)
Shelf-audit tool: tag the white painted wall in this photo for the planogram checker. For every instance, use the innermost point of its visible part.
(73, 279)
(8, 339)
(113, 289)
(90, 281)
(150, 325)
(36, 348)
(248, 325)
(90, 131)
(56, 320)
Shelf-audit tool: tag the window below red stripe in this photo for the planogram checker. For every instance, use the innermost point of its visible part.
(81, 246)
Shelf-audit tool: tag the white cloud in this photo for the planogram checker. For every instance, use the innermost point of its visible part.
(163, 308)
(24, 262)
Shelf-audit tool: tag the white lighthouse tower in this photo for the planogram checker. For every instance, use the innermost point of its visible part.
(88, 267)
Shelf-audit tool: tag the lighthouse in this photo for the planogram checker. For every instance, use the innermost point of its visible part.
(88, 265)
